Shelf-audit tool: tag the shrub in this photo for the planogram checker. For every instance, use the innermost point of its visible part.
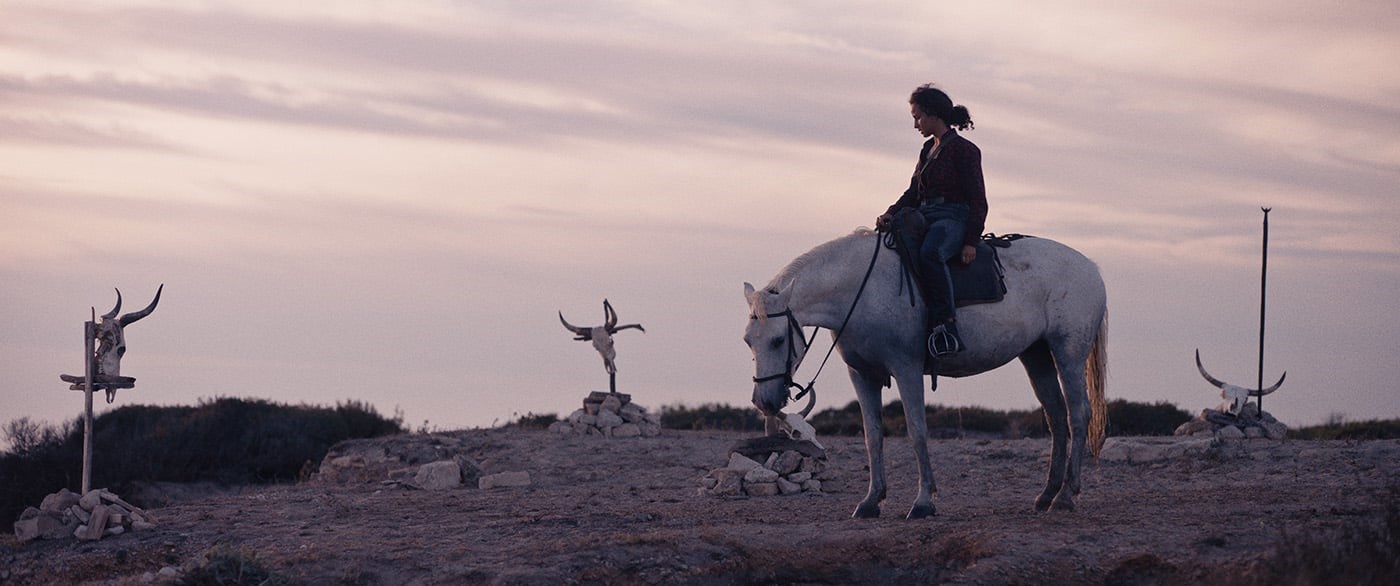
(1128, 418)
(711, 416)
(535, 421)
(1337, 428)
(230, 441)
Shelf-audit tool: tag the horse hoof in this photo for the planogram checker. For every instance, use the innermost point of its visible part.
(1042, 503)
(1062, 503)
(920, 512)
(865, 511)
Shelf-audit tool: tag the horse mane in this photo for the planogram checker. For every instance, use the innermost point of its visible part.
(820, 252)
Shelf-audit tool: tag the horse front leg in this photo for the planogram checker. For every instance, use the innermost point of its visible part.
(868, 394)
(911, 394)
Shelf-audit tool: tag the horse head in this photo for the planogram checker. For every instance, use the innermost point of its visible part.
(775, 351)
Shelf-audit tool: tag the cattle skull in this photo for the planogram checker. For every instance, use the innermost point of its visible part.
(1237, 396)
(601, 336)
(795, 424)
(111, 340)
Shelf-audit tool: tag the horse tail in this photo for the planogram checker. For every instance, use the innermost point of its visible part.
(1096, 378)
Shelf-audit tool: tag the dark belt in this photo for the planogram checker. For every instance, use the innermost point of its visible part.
(931, 202)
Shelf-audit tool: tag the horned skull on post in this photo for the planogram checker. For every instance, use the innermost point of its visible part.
(1235, 396)
(111, 344)
(601, 336)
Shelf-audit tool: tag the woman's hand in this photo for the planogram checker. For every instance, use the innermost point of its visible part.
(969, 254)
(882, 223)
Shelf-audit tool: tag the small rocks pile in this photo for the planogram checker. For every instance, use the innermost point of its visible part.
(768, 466)
(411, 461)
(610, 415)
(88, 517)
(1219, 423)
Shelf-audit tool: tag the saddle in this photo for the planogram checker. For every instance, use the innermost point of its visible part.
(983, 281)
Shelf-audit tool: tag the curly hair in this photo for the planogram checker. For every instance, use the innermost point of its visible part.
(935, 102)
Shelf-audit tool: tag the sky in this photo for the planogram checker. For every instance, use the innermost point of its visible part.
(390, 202)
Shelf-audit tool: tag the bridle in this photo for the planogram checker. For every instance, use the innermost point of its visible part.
(792, 324)
(793, 360)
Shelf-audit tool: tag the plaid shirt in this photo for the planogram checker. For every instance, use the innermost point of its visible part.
(952, 172)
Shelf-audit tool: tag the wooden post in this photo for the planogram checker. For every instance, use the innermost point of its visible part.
(1263, 289)
(89, 356)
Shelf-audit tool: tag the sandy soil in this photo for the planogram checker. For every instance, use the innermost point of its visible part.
(604, 510)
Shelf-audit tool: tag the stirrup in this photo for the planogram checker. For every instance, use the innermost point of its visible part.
(943, 341)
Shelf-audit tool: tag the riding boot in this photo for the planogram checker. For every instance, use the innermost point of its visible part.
(942, 329)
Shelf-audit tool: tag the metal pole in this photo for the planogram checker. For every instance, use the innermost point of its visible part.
(89, 333)
(1263, 289)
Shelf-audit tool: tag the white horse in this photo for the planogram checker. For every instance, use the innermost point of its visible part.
(1054, 318)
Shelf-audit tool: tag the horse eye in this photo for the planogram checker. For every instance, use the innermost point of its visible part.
(776, 343)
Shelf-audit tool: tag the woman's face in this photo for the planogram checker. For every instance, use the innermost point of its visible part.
(925, 124)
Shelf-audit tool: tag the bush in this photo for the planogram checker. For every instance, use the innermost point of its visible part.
(230, 441)
(711, 416)
(535, 421)
(1130, 419)
(1356, 430)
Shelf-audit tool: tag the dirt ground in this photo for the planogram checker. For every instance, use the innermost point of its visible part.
(627, 510)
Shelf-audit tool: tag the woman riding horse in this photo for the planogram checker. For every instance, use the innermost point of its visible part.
(948, 191)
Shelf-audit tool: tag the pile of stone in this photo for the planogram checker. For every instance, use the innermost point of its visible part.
(411, 461)
(768, 466)
(88, 517)
(609, 415)
(1220, 423)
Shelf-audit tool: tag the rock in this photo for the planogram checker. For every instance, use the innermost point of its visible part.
(611, 404)
(762, 489)
(1254, 432)
(439, 475)
(59, 501)
(627, 430)
(1274, 430)
(816, 466)
(760, 475)
(650, 429)
(79, 513)
(27, 527)
(1193, 427)
(632, 413)
(787, 462)
(561, 427)
(741, 463)
(799, 477)
(91, 499)
(1230, 432)
(471, 470)
(762, 446)
(608, 419)
(709, 482)
(95, 526)
(812, 485)
(786, 486)
(505, 480)
(728, 482)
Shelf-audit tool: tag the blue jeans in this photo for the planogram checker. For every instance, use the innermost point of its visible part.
(946, 225)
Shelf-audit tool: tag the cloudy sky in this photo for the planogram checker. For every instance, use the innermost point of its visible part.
(390, 201)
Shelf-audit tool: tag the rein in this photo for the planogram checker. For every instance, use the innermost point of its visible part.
(807, 344)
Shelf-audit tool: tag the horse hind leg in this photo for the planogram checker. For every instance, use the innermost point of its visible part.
(1045, 380)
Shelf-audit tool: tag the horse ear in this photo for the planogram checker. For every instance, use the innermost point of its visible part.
(748, 292)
